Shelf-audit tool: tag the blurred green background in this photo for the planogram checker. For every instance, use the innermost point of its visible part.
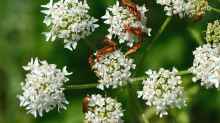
(21, 39)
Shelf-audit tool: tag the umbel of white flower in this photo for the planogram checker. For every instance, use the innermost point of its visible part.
(103, 110)
(173, 7)
(43, 88)
(113, 69)
(206, 65)
(213, 32)
(118, 17)
(68, 20)
(162, 90)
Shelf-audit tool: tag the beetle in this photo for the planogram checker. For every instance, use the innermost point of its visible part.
(138, 32)
(110, 46)
(133, 49)
(132, 8)
(85, 103)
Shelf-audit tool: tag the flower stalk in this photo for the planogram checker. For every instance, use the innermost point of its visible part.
(162, 28)
(214, 9)
(184, 73)
(160, 31)
(131, 80)
(81, 86)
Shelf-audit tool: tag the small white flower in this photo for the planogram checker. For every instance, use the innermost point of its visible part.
(196, 8)
(173, 7)
(103, 110)
(43, 88)
(68, 20)
(192, 8)
(113, 69)
(213, 32)
(162, 90)
(118, 17)
(206, 65)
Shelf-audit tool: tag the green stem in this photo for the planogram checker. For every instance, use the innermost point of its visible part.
(145, 118)
(160, 31)
(137, 79)
(196, 35)
(162, 28)
(136, 108)
(94, 85)
(81, 86)
(214, 9)
(148, 114)
(184, 72)
(131, 80)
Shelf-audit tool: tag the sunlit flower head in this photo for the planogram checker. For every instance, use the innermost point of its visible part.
(206, 65)
(121, 20)
(68, 20)
(213, 32)
(162, 90)
(43, 88)
(103, 110)
(113, 69)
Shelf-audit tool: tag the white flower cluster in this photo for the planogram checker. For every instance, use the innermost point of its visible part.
(68, 20)
(113, 69)
(43, 88)
(206, 65)
(213, 32)
(162, 90)
(191, 8)
(103, 110)
(118, 17)
(173, 7)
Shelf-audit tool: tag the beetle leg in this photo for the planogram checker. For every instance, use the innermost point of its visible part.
(133, 49)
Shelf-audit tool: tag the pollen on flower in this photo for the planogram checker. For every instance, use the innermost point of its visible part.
(162, 90)
(213, 32)
(113, 69)
(68, 20)
(196, 8)
(124, 25)
(43, 88)
(206, 65)
(103, 110)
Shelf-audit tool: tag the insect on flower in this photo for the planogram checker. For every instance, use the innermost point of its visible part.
(85, 104)
(132, 8)
(127, 22)
(133, 49)
(110, 46)
(138, 32)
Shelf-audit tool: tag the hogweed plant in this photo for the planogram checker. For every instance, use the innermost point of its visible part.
(69, 20)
